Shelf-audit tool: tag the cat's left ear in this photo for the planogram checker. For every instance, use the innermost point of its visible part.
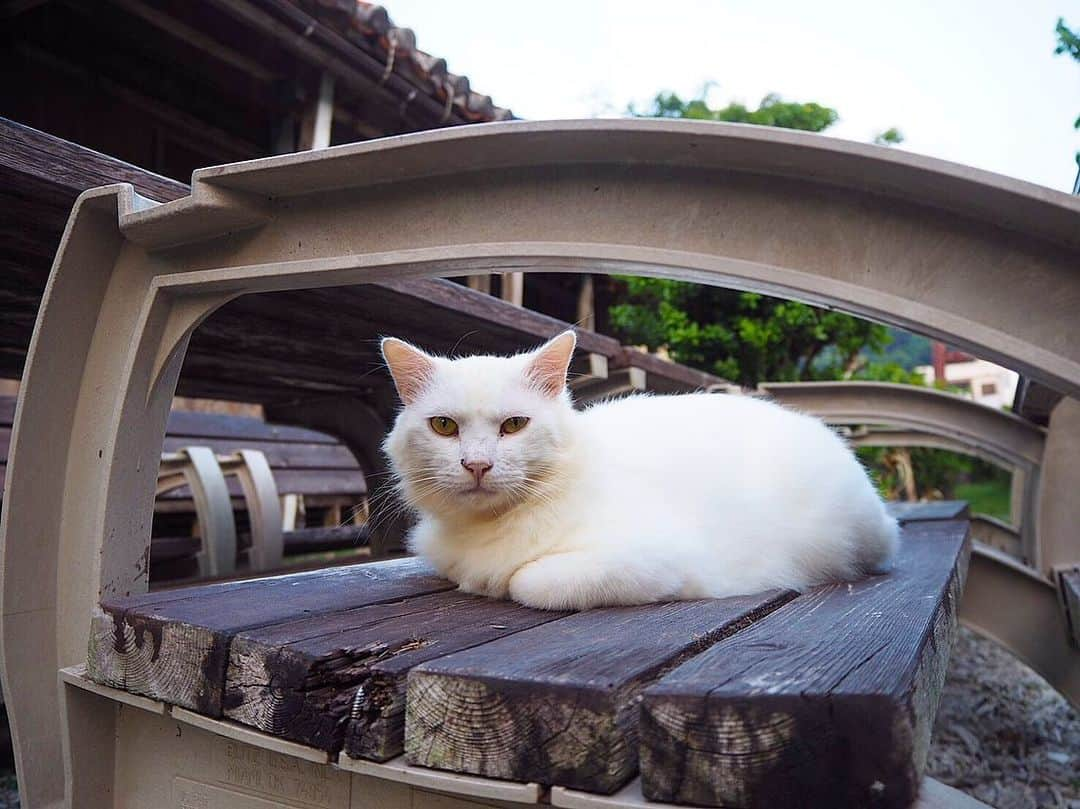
(549, 364)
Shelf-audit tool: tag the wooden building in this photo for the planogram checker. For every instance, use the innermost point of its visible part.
(175, 85)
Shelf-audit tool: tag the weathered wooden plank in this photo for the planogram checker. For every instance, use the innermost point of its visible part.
(302, 540)
(557, 704)
(666, 376)
(279, 454)
(74, 168)
(306, 680)
(827, 702)
(312, 540)
(173, 645)
(190, 424)
(929, 510)
(439, 292)
(344, 482)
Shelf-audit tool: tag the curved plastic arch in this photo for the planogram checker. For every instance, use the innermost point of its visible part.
(884, 234)
(980, 429)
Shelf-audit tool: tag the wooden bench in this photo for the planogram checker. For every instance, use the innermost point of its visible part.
(309, 464)
(777, 699)
(306, 464)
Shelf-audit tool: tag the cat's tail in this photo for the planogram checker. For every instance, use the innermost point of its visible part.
(879, 543)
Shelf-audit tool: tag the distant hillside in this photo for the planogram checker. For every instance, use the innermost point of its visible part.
(905, 349)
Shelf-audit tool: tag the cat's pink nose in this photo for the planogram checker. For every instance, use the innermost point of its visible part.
(478, 468)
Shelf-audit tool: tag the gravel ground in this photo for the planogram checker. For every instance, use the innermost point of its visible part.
(1002, 734)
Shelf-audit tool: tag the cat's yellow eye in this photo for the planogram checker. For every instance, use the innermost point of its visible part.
(513, 424)
(443, 425)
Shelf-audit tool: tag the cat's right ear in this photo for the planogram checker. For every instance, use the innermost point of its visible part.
(411, 368)
(550, 363)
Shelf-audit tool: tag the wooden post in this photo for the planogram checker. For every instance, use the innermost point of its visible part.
(481, 283)
(586, 304)
(318, 120)
(513, 287)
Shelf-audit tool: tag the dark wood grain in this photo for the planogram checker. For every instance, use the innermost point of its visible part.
(75, 168)
(302, 540)
(344, 482)
(173, 645)
(665, 376)
(278, 454)
(184, 424)
(931, 510)
(312, 540)
(315, 679)
(488, 309)
(828, 701)
(557, 704)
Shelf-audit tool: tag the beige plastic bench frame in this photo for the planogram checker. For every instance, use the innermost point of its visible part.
(986, 263)
(204, 473)
(935, 418)
(199, 469)
(1018, 605)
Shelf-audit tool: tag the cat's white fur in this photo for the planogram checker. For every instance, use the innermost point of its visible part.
(635, 500)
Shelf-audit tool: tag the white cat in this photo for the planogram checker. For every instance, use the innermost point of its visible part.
(642, 499)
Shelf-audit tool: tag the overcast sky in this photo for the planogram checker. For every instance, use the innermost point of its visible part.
(973, 82)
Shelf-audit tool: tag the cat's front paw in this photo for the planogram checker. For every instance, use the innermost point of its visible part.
(577, 580)
(531, 587)
(483, 587)
(559, 582)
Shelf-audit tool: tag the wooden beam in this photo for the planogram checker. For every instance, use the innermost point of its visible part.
(72, 168)
(180, 122)
(558, 704)
(443, 293)
(173, 645)
(315, 679)
(829, 701)
(619, 383)
(211, 48)
(355, 68)
(666, 376)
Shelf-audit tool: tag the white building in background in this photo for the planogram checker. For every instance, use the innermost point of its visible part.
(983, 381)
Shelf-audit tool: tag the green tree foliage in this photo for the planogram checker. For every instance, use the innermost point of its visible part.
(939, 474)
(1068, 42)
(890, 137)
(742, 336)
(772, 111)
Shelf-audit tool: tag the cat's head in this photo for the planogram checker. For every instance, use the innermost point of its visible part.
(479, 435)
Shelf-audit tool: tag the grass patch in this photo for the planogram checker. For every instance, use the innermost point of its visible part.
(990, 497)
